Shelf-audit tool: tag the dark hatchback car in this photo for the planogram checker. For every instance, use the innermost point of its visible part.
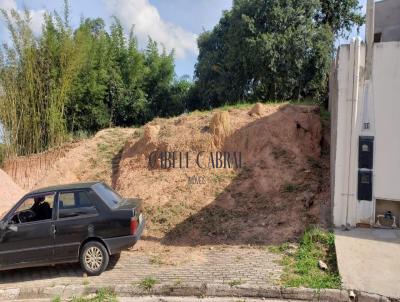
(85, 222)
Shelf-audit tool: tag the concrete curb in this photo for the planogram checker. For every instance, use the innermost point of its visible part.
(200, 290)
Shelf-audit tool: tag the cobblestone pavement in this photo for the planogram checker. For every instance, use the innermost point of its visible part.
(195, 299)
(179, 299)
(229, 265)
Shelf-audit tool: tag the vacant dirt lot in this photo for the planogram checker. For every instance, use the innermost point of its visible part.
(281, 186)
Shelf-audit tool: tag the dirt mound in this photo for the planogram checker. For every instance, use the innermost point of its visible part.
(96, 158)
(220, 127)
(257, 109)
(221, 177)
(281, 186)
(150, 133)
(27, 171)
(10, 192)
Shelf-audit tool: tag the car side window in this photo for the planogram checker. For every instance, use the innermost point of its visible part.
(75, 204)
(34, 208)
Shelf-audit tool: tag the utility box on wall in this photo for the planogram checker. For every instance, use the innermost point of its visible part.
(366, 152)
(364, 185)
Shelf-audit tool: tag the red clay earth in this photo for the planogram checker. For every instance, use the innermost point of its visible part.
(280, 188)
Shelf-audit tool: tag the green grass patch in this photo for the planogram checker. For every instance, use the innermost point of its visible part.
(290, 188)
(301, 268)
(80, 135)
(234, 283)
(148, 283)
(226, 107)
(278, 249)
(248, 104)
(156, 260)
(325, 114)
(244, 105)
(307, 102)
(102, 295)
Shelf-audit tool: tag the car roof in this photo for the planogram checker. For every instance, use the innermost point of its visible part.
(73, 186)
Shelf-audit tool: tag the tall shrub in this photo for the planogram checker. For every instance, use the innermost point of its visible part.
(36, 74)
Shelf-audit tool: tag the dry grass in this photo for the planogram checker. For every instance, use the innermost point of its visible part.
(220, 127)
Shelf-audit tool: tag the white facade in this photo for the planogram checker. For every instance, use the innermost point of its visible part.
(363, 107)
(387, 21)
(386, 94)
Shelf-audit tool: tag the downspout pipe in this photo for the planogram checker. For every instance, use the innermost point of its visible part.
(354, 99)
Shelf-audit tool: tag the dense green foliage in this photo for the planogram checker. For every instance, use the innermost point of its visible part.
(76, 81)
(36, 75)
(270, 49)
(120, 85)
(80, 80)
(340, 15)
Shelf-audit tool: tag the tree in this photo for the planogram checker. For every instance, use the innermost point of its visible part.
(340, 15)
(132, 108)
(179, 94)
(159, 78)
(36, 75)
(268, 49)
(108, 90)
(66, 80)
(86, 109)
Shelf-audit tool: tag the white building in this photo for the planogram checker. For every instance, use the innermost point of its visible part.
(387, 21)
(365, 114)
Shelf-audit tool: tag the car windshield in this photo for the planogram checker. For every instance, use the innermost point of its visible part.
(110, 197)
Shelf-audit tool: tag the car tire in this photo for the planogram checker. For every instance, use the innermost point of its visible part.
(94, 258)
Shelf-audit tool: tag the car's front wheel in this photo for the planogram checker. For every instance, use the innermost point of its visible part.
(94, 258)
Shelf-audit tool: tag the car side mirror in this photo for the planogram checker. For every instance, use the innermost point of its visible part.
(6, 226)
(13, 228)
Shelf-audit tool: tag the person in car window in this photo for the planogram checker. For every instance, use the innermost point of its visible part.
(41, 208)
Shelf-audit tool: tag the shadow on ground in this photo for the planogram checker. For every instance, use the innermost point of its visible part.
(282, 187)
(48, 272)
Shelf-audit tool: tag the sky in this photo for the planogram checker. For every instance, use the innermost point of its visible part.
(174, 23)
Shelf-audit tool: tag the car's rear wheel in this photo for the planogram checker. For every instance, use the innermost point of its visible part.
(94, 258)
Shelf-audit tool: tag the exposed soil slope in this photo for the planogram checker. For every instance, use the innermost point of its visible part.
(96, 158)
(27, 171)
(281, 186)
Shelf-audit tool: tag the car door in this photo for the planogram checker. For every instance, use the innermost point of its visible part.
(31, 242)
(77, 216)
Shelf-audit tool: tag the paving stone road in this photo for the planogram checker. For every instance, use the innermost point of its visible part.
(236, 265)
(180, 299)
(195, 299)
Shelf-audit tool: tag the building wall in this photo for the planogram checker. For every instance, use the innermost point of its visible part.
(386, 93)
(387, 20)
(354, 103)
(349, 71)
